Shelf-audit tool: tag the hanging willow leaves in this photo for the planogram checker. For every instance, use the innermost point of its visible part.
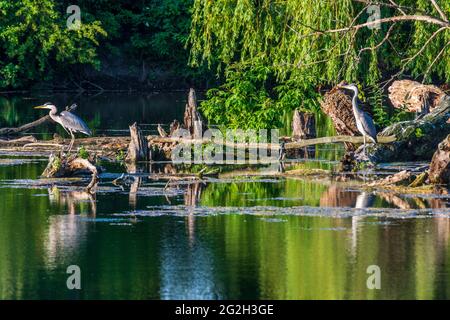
(301, 48)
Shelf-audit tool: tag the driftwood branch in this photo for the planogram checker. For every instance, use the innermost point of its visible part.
(25, 127)
(28, 126)
(19, 141)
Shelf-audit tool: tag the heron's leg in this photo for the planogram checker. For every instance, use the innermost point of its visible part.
(364, 137)
(71, 141)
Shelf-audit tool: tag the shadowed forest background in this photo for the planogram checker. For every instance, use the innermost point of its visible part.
(260, 59)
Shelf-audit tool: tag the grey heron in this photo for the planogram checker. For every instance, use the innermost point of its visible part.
(70, 122)
(364, 121)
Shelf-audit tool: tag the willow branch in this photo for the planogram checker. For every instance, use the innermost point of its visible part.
(438, 9)
(428, 19)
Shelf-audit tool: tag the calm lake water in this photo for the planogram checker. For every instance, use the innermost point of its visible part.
(231, 238)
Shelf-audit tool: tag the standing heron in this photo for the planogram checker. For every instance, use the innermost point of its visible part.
(364, 121)
(70, 122)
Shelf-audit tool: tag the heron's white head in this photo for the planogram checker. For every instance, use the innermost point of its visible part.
(47, 105)
(352, 87)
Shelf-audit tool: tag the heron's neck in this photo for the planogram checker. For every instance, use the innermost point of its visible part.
(354, 100)
(53, 113)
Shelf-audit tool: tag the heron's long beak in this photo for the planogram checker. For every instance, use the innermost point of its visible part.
(40, 107)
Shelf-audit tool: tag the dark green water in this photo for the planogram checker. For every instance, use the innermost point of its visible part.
(229, 238)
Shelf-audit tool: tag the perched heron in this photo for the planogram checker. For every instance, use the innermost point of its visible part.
(70, 122)
(364, 121)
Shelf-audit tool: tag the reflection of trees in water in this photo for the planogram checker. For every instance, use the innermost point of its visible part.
(336, 196)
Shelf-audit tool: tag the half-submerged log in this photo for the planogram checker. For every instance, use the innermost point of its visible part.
(59, 167)
(138, 148)
(414, 96)
(415, 140)
(439, 172)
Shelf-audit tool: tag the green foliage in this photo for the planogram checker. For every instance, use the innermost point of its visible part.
(249, 99)
(283, 35)
(34, 40)
(83, 153)
(56, 164)
(120, 156)
(419, 133)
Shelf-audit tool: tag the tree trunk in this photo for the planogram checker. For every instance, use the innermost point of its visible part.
(439, 172)
(303, 127)
(138, 147)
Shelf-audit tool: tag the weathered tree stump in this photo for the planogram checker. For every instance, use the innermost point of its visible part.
(414, 96)
(416, 139)
(174, 126)
(439, 172)
(138, 148)
(303, 127)
(193, 121)
(161, 131)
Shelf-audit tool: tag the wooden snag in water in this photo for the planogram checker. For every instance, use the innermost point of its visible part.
(414, 96)
(303, 127)
(193, 121)
(25, 127)
(439, 172)
(138, 148)
(59, 166)
(174, 126)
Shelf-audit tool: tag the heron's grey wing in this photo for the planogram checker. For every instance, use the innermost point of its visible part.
(368, 125)
(74, 123)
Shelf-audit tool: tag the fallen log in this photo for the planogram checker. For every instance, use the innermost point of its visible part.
(274, 146)
(19, 141)
(415, 140)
